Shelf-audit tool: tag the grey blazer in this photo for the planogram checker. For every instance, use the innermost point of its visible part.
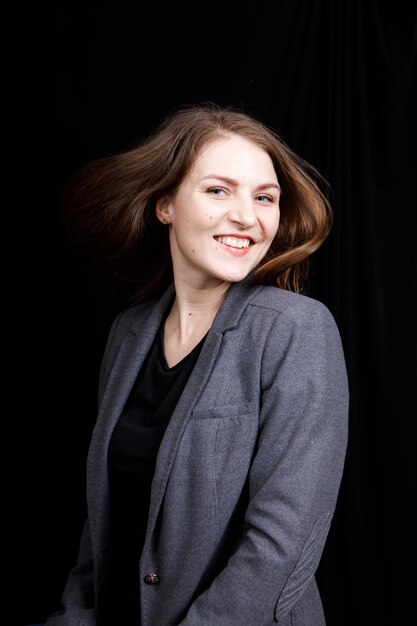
(247, 474)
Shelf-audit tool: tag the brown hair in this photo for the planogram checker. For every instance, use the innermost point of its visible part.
(109, 203)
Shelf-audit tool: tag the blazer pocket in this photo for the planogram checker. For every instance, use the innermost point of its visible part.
(227, 411)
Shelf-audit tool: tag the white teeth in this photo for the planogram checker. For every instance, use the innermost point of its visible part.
(235, 242)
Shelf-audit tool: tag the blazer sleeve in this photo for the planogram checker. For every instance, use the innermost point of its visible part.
(295, 475)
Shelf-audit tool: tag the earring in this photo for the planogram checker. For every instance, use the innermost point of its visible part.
(164, 221)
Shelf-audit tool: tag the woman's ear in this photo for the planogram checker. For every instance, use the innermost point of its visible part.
(162, 210)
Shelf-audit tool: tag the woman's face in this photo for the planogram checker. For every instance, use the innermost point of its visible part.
(225, 213)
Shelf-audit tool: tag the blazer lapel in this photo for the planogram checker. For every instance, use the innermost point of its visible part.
(179, 419)
(232, 308)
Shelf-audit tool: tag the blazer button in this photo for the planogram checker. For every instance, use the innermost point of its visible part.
(152, 579)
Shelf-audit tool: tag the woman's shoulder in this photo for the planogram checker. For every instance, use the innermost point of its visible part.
(298, 324)
(130, 316)
(293, 304)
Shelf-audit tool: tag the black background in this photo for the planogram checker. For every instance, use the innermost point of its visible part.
(338, 81)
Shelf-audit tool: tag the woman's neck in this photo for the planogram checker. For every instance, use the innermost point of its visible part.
(194, 310)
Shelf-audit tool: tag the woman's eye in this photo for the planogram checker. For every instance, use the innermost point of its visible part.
(216, 191)
(265, 198)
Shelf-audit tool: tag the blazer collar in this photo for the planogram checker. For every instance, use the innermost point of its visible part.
(235, 303)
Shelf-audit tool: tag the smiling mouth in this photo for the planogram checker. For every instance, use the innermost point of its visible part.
(234, 242)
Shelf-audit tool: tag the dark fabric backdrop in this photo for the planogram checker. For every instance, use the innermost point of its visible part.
(338, 80)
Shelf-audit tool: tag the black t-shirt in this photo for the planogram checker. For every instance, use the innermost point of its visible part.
(131, 462)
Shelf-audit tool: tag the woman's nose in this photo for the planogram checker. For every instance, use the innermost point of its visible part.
(243, 213)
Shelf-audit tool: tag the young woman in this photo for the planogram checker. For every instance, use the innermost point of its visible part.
(216, 459)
